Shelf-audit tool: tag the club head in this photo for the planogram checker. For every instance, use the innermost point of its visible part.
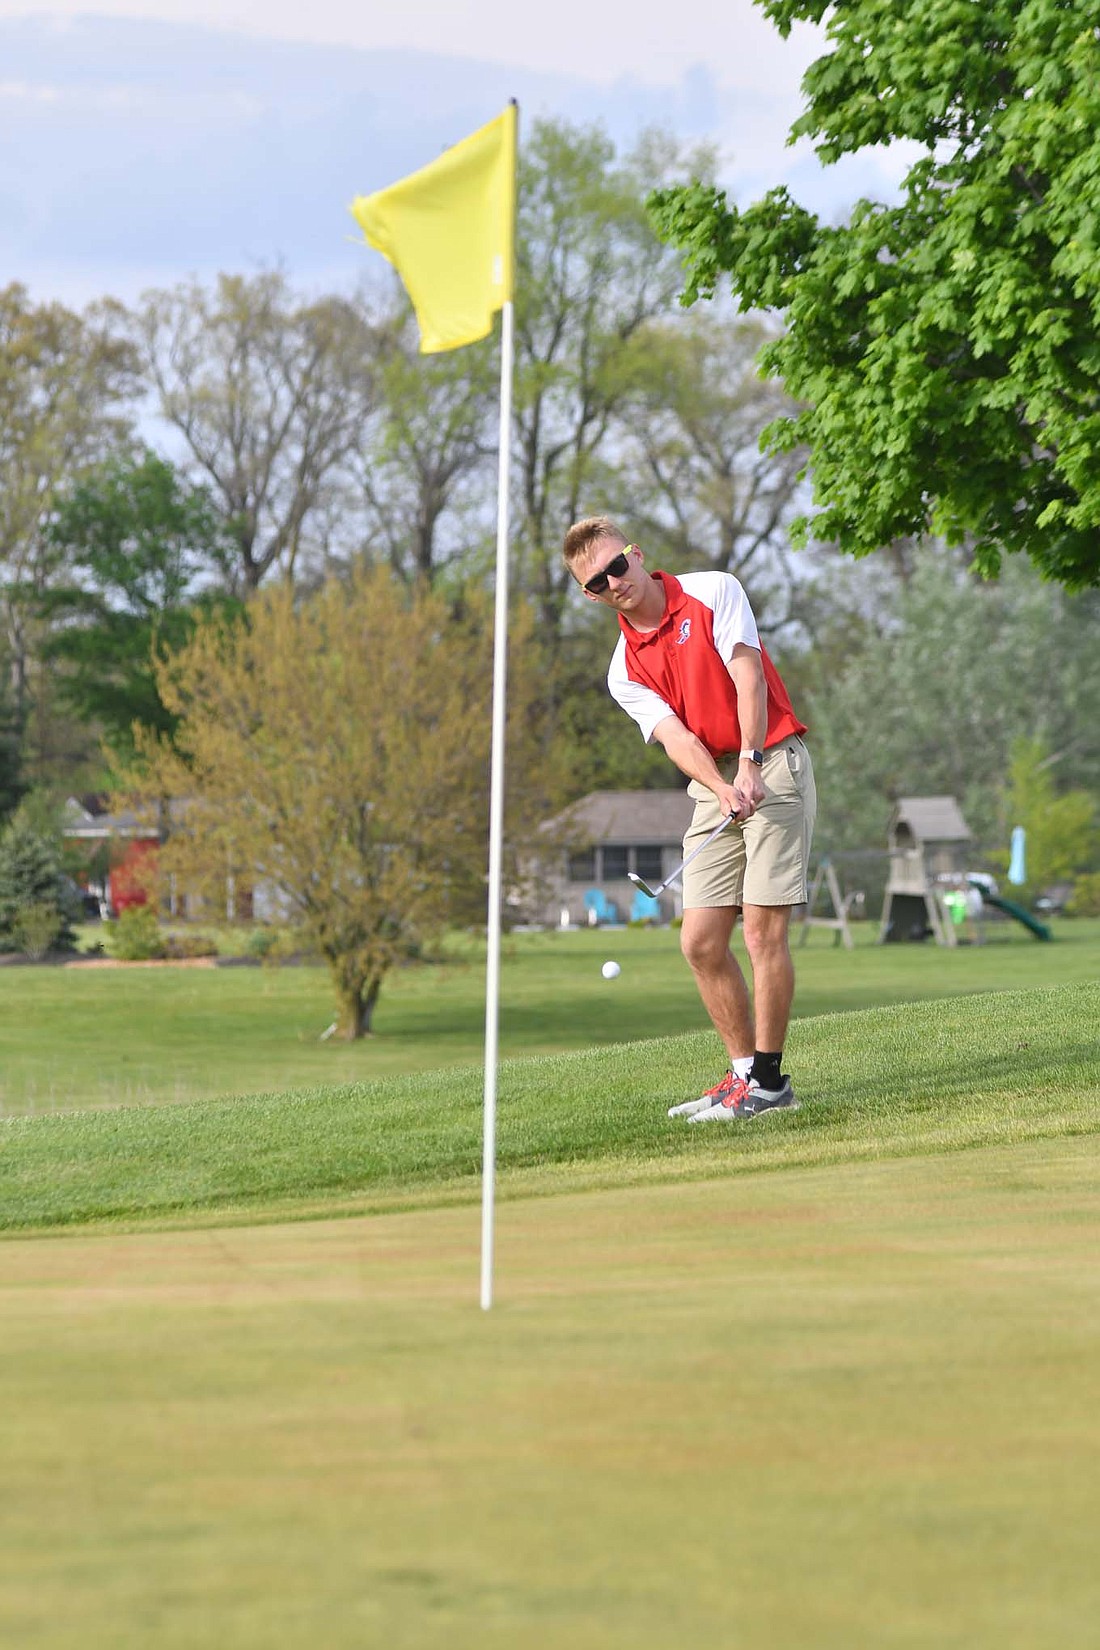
(651, 893)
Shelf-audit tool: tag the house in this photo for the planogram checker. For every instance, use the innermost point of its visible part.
(118, 852)
(592, 845)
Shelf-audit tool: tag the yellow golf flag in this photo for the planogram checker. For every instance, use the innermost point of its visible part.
(448, 231)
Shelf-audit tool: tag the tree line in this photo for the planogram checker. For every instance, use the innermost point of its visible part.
(246, 535)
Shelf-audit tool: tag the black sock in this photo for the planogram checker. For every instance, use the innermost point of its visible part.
(765, 1070)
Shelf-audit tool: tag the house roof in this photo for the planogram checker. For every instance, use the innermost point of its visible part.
(649, 817)
(86, 818)
(931, 818)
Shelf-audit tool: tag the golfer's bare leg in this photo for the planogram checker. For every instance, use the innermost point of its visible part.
(766, 929)
(705, 942)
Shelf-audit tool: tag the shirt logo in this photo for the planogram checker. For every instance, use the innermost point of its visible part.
(685, 632)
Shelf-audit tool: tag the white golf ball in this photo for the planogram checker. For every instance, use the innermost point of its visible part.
(610, 970)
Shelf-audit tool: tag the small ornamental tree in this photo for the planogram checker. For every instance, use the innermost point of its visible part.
(332, 754)
(946, 348)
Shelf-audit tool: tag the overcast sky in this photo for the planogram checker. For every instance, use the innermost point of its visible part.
(599, 40)
(150, 140)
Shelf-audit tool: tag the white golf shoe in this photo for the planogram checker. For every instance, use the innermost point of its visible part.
(705, 1102)
(744, 1100)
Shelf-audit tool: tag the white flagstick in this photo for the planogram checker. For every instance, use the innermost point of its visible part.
(496, 816)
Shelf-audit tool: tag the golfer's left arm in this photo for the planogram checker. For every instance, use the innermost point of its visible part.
(747, 674)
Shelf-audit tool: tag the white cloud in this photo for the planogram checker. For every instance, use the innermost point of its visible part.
(21, 91)
(146, 103)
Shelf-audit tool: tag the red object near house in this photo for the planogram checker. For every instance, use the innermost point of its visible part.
(130, 880)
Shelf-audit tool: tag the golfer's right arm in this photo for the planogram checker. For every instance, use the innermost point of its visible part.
(692, 758)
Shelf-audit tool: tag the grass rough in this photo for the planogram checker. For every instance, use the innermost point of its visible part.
(886, 1082)
(72, 1038)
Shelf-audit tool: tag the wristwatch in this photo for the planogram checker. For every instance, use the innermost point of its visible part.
(752, 756)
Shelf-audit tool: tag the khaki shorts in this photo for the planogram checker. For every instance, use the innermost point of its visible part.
(764, 861)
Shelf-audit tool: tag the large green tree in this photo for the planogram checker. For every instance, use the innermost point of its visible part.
(591, 275)
(945, 346)
(1059, 823)
(269, 392)
(620, 402)
(12, 783)
(67, 385)
(701, 492)
(145, 552)
(927, 687)
(424, 469)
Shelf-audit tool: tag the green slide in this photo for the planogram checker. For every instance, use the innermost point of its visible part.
(1011, 909)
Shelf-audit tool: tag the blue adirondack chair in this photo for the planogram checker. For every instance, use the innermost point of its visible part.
(645, 908)
(599, 907)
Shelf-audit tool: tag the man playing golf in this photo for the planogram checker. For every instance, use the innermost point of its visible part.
(690, 669)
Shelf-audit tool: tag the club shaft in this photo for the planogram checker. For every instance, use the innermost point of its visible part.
(684, 863)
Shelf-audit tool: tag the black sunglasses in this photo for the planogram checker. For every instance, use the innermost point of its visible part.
(615, 569)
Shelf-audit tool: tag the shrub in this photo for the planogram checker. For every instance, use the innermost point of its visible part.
(1085, 901)
(36, 929)
(190, 945)
(275, 946)
(260, 942)
(136, 936)
(1060, 827)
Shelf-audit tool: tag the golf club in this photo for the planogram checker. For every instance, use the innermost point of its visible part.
(679, 871)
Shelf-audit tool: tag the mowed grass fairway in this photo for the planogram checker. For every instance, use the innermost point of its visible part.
(84, 1036)
(849, 1405)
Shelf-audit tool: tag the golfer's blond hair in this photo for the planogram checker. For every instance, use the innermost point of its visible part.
(584, 534)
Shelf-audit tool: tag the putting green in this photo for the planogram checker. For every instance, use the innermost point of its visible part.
(815, 1407)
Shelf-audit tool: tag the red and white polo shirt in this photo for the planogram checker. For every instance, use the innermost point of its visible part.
(680, 668)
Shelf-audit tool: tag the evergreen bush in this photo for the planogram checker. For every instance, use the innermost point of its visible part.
(32, 881)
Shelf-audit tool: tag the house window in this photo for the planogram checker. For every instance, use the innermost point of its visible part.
(647, 862)
(582, 866)
(616, 861)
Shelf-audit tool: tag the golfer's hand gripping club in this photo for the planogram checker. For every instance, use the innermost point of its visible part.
(684, 863)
